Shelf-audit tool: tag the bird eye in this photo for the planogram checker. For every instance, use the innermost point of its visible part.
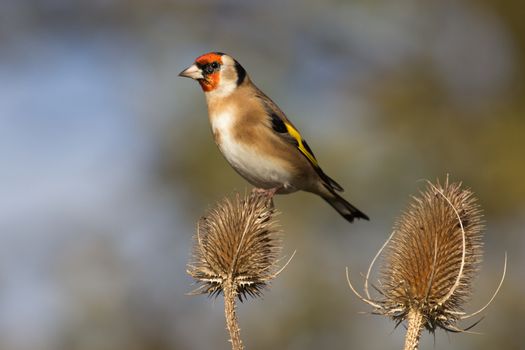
(208, 69)
(211, 67)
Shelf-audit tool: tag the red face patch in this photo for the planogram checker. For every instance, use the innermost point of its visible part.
(209, 58)
(211, 80)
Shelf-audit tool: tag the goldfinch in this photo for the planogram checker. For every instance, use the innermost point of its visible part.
(256, 137)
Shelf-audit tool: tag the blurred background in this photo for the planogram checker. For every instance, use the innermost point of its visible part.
(108, 162)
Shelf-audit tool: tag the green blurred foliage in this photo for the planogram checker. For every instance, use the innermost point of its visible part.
(383, 106)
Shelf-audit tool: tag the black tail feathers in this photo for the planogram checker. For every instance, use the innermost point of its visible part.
(347, 210)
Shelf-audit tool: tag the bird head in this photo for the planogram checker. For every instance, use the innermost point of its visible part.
(216, 72)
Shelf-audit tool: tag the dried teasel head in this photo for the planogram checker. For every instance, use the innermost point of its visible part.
(237, 241)
(430, 261)
(433, 256)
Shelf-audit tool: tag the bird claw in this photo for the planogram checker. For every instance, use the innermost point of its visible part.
(265, 192)
(268, 193)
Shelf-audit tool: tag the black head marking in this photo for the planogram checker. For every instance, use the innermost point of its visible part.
(241, 73)
(209, 68)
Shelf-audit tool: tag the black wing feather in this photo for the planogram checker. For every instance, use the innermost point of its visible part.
(279, 126)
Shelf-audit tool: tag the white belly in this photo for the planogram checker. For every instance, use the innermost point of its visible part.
(259, 169)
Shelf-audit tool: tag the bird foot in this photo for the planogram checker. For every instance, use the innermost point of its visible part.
(266, 192)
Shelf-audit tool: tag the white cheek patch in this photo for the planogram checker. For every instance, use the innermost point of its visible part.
(223, 90)
(261, 170)
(227, 83)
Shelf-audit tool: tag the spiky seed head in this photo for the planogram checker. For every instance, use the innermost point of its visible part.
(433, 256)
(238, 240)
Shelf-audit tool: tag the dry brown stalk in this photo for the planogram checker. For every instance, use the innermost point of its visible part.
(415, 326)
(430, 261)
(236, 251)
(230, 293)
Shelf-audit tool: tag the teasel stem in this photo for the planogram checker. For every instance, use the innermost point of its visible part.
(415, 326)
(237, 253)
(230, 293)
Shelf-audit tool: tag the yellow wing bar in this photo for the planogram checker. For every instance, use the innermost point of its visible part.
(301, 144)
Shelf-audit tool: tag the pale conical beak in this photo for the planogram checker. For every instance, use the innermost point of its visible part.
(192, 72)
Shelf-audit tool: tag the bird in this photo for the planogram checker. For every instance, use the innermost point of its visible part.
(256, 137)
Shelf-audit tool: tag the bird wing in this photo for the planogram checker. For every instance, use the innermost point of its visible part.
(288, 132)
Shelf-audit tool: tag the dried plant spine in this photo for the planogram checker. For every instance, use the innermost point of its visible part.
(236, 251)
(230, 293)
(415, 326)
(430, 260)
